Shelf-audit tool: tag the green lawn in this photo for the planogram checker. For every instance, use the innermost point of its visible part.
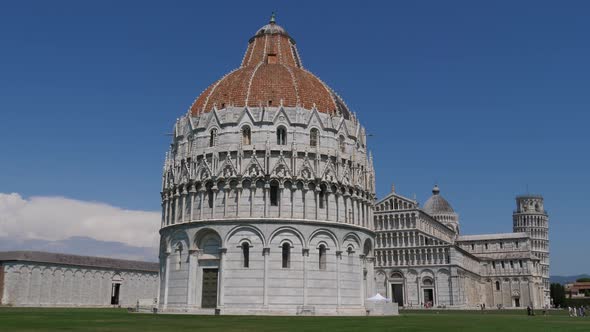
(34, 319)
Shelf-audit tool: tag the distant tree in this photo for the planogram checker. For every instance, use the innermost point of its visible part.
(583, 280)
(557, 294)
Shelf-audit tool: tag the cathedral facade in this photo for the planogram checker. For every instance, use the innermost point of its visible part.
(422, 260)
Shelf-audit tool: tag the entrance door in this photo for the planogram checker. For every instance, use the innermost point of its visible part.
(115, 290)
(428, 297)
(209, 294)
(397, 294)
(517, 302)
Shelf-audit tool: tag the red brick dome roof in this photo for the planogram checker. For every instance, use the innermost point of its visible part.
(271, 74)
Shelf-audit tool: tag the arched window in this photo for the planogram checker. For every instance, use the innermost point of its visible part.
(281, 136)
(497, 285)
(314, 137)
(213, 137)
(286, 255)
(274, 194)
(342, 143)
(246, 136)
(322, 257)
(350, 250)
(246, 254)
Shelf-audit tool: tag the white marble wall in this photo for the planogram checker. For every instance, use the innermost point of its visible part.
(265, 287)
(458, 288)
(36, 284)
(330, 181)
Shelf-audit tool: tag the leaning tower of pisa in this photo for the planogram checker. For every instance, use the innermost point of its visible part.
(530, 217)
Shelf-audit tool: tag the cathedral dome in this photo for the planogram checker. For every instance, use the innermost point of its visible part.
(436, 204)
(271, 74)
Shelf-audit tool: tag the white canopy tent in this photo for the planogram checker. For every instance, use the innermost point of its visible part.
(378, 298)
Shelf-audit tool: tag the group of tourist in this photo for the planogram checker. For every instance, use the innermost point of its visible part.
(427, 304)
(577, 311)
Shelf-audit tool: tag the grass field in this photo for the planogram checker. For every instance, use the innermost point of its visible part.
(36, 319)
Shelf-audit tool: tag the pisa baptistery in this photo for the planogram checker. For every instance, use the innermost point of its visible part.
(267, 195)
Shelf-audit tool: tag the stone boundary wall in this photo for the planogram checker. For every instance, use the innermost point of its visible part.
(1, 284)
(54, 285)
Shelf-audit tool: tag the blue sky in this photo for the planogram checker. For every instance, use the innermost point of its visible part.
(483, 98)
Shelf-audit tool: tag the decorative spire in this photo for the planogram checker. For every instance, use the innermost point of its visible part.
(272, 18)
(393, 187)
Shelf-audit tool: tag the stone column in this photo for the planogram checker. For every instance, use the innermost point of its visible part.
(215, 190)
(226, 189)
(293, 189)
(265, 253)
(183, 198)
(370, 276)
(166, 278)
(327, 204)
(337, 203)
(266, 195)
(176, 197)
(252, 190)
(346, 215)
(281, 189)
(362, 288)
(192, 191)
(193, 263)
(305, 253)
(353, 209)
(316, 197)
(338, 282)
(201, 196)
(366, 220)
(239, 198)
(165, 210)
(435, 302)
(221, 287)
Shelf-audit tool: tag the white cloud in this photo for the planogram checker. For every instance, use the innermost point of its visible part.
(58, 218)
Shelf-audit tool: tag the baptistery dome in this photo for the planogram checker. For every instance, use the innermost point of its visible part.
(266, 186)
(271, 74)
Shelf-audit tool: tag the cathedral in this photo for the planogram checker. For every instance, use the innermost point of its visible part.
(422, 260)
(269, 207)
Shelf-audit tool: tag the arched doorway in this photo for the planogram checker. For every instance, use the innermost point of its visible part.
(428, 292)
(116, 283)
(209, 244)
(397, 288)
